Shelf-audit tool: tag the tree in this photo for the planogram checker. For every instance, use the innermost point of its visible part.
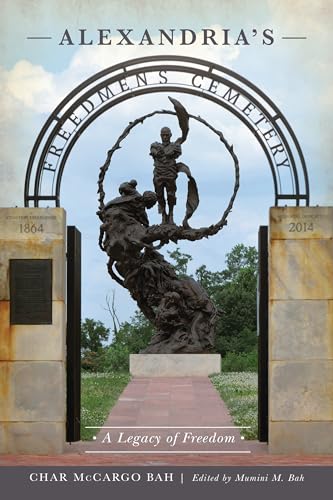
(111, 308)
(130, 338)
(236, 297)
(210, 281)
(181, 261)
(240, 258)
(93, 334)
(136, 334)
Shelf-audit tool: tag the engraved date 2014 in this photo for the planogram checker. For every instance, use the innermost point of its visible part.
(300, 227)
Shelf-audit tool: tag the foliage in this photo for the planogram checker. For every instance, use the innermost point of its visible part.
(116, 358)
(180, 263)
(233, 291)
(240, 362)
(240, 258)
(239, 392)
(130, 338)
(92, 361)
(209, 280)
(99, 393)
(93, 334)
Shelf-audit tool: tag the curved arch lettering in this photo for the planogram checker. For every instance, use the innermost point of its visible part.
(154, 74)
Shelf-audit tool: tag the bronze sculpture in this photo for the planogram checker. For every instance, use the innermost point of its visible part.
(165, 173)
(179, 308)
(166, 169)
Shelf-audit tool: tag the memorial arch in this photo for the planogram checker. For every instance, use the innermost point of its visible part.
(155, 74)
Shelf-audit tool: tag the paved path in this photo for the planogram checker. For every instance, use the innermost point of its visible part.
(159, 404)
(189, 406)
(176, 401)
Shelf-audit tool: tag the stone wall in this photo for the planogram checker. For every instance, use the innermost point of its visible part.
(301, 330)
(32, 357)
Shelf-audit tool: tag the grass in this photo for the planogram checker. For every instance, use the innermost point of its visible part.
(99, 393)
(239, 390)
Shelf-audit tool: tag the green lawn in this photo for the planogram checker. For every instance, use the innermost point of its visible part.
(240, 393)
(99, 393)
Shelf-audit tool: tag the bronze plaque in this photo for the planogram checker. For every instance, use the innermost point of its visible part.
(30, 284)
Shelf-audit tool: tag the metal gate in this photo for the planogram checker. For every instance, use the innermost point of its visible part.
(262, 325)
(73, 336)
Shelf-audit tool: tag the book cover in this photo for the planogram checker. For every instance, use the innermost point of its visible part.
(85, 92)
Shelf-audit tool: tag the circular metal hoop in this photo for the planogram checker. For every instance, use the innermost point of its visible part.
(104, 168)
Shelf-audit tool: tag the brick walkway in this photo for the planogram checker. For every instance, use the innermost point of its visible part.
(170, 402)
(185, 403)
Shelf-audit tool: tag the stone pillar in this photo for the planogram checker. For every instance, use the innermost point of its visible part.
(301, 330)
(32, 356)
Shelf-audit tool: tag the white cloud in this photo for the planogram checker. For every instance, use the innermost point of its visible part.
(96, 57)
(31, 85)
(39, 90)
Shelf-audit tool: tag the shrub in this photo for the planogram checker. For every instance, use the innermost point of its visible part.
(116, 358)
(92, 361)
(240, 362)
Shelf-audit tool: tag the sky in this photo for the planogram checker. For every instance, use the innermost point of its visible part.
(36, 75)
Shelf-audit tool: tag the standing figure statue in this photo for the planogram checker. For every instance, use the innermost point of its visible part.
(166, 169)
(165, 173)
